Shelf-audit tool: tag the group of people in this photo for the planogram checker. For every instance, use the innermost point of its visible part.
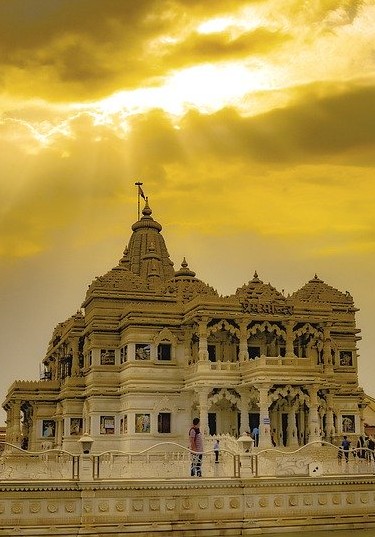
(365, 448)
(196, 447)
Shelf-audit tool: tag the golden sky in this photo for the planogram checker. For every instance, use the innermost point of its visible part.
(250, 123)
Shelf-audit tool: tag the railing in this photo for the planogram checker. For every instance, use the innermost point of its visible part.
(314, 459)
(16, 464)
(163, 460)
(169, 460)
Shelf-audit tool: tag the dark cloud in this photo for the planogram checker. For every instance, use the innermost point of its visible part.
(63, 50)
(221, 46)
(96, 42)
(311, 129)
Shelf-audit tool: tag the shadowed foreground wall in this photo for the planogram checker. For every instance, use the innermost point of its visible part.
(185, 507)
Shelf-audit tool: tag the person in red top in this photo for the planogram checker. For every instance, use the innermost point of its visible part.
(196, 446)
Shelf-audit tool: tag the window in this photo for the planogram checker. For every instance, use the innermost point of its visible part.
(348, 423)
(211, 353)
(107, 425)
(142, 423)
(76, 426)
(164, 422)
(107, 357)
(48, 428)
(346, 358)
(164, 351)
(124, 354)
(142, 351)
(124, 425)
(253, 352)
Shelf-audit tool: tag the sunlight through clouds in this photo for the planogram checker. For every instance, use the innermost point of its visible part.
(251, 125)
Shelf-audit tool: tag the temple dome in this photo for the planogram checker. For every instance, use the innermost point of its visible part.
(255, 289)
(185, 286)
(316, 290)
(147, 254)
(145, 264)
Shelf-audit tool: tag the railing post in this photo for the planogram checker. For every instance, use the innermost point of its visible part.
(95, 466)
(237, 466)
(75, 467)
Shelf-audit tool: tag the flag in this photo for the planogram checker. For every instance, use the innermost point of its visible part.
(141, 193)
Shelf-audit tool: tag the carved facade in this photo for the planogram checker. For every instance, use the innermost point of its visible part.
(153, 347)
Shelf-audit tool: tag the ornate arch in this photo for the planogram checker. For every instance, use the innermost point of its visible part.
(224, 393)
(165, 335)
(223, 325)
(307, 328)
(266, 325)
(164, 405)
(289, 391)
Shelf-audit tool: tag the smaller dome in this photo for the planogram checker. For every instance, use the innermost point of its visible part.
(146, 220)
(258, 290)
(316, 290)
(184, 272)
(185, 286)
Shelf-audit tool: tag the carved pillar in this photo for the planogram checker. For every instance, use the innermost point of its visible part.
(362, 405)
(264, 417)
(75, 358)
(202, 346)
(59, 426)
(188, 354)
(314, 429)
(292, 438)
(327, 347)
(244, 410)
(14, 434)
(301, 423)
(244, 353)
(330, 427)
(203, 409)
(289, 343)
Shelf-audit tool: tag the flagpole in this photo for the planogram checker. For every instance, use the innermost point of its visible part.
(138, 185)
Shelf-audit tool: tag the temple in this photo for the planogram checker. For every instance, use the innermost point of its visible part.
(152, 347)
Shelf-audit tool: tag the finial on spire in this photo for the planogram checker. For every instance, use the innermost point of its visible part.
(140, 194)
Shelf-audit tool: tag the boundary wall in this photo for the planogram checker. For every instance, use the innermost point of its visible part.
(186, 507)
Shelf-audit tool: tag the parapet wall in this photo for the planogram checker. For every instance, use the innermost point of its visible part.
(186, 507)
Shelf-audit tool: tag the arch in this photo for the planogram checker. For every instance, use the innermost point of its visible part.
(165, 335)
(289, 391)
(164, 405)
(224, 393)
(307, 328)
(266, 325)
(223, 325)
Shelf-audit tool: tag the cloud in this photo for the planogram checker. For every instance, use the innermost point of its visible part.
(312, 128)
(221, 46)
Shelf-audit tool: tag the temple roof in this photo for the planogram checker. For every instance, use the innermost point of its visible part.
(256, 289)
(316, 290)
(186, 286)
(145, 264)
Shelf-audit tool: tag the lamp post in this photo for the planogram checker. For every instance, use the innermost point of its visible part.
(86, 466)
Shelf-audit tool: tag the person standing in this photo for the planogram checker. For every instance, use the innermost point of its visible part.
(345, 445)
(256, 436)
(216, 450)
(196, 447)
(371, 448)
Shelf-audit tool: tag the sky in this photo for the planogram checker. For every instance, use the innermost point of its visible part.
(251, 125)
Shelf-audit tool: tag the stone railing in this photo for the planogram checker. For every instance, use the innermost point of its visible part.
(164, 460)
(224, 366)
(169, 460)
(314, 459)
(49, 464)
